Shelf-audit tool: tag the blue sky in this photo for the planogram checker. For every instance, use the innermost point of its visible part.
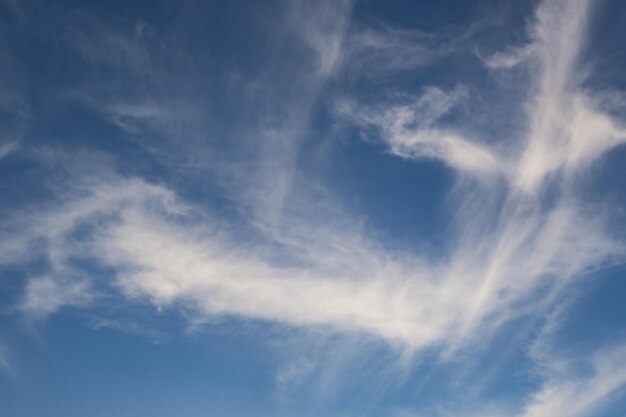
(312, 208)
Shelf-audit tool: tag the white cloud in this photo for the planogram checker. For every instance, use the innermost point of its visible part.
(327, 275)
(318, 267)
(322, 26)
(15, 116)
(579, 393)
(411, 131)
(8, 148)
(45, 295)
(509, 59)
(510, 242)
(305, 262)
(565, 131)
(370, 51)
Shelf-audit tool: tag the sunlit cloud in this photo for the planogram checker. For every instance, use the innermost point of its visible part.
(291, 253)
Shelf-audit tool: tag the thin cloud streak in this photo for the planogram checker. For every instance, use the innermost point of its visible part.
(338, 277)
(308, 263)
(572, 394)
(411, 131)
(8, 148)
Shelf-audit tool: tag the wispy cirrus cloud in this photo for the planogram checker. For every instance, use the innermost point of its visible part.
(7, 148)
(45, 295)
(520, 230)
(575, 395)
(14, 117)
(370, 51)
(365, 287)
(567, 130)
(412, 131)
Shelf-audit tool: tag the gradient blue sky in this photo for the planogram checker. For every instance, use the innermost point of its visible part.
(312, 208)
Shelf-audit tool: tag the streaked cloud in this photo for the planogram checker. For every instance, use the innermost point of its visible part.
(7, 148)
(578, 393)
(411, 131)
(291, 253)
(45, 295)
(336, 275)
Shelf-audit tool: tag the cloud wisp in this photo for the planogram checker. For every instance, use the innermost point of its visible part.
(532, 244)
(573, 386)
(521, 231)
(338, 277)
